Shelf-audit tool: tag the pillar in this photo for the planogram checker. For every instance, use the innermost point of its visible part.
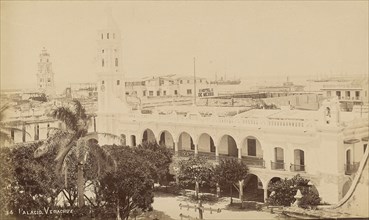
(265, 193)
(216, 153)
(240, 153)
(176, 148)
(241, 189)
(196, 149)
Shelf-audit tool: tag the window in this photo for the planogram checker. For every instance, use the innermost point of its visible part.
(357, 94)
(200, 80)
(127, 93)
(144, 93)
(48, 80)
(47, 60)
(102, 36)
(188, 81)
(107, 35)
(251, 147)
(12, 134)
(102, 82)
(157, 93)
(116, 61)
(113, 35)
(181, 81)
(189, 91)
(299, 160)
(102, 63)
(175, 92)
(151, 93)
(165, 93)
(118, 82)
(338, 93)
(102, 51)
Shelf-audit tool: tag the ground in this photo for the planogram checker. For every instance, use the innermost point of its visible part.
(169, 205)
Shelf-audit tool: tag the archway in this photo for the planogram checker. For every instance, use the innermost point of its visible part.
(271, 182)
(251, 147)
(166, 139)
(253, 188)
(206, 143)
(148, 136)
(227, 146)
(185, 142)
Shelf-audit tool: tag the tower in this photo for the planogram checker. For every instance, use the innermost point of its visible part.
(111, 85)
(45, 74)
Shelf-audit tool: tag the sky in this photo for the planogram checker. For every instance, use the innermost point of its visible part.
(239, 39)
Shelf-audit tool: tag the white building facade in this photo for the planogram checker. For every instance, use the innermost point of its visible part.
(322, 145)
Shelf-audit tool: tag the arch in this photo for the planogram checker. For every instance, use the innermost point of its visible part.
(272, 181)
(123, 140)
(299, 160)
(227, 146)
(251, 146)
(166, 139)
(185, 142)
(253, 188)
(148, 136)
(278, 162)
(206, 143)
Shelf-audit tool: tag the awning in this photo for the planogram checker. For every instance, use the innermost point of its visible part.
(351, 141)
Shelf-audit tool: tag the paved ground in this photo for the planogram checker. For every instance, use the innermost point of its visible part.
(170, 206)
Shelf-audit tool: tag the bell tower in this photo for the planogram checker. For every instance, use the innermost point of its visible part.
(111, 84)
(45, 74)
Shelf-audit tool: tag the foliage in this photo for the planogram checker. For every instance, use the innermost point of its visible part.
(26, 183)
(74, 143)
(195, 170)
(130, 186)
(159, 156)
(283, 192)
(229, 172)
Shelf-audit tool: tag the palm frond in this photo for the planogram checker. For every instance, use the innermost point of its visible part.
(53, 142)
(79, 109)
(95, 135)
(67, 116)
(62, 154)
(103, 157)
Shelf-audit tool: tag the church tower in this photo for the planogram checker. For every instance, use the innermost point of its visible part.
(111, 84)
(45, 74)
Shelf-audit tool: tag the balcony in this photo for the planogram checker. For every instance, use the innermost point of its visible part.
(207, 155)
(186, 153)
(277, 165)
(351, 168)
(254, 161)
(297, 168)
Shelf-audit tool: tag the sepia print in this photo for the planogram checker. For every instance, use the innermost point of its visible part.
(184, 110)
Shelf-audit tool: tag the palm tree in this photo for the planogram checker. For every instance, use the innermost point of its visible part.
(74, 139)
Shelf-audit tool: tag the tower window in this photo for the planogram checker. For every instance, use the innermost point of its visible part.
(47, 60)
(116, 61)
(48, 80)
(102, 63)
(113, 35)
(107, 35)
(102, 82)
(102, 36)
(118, 82)
(102, 51)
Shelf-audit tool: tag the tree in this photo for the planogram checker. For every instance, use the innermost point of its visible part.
(130, 186)
(159, 156)
(74, 139)
(195, 170)
(27, 183)
(283, 192)
(229, 173)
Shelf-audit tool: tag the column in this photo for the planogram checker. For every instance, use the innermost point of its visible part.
(240, 153)
(216, 153)
(196, 149)
(175, 148)
(241, 190)
(265, 193)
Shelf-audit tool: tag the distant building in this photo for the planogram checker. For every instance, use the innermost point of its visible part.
(45, 74)
(168, 86)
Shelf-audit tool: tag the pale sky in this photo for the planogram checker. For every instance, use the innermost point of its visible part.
(242, 38)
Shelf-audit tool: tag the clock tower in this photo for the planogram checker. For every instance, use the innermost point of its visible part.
(45, 74)
(111, 84)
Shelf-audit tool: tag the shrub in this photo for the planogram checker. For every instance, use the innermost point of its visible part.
(283, 192)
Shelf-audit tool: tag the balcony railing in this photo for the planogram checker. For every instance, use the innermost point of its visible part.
(207, 155)
(297, 167)
(254, 161)
(277, 165)
(351, 168)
